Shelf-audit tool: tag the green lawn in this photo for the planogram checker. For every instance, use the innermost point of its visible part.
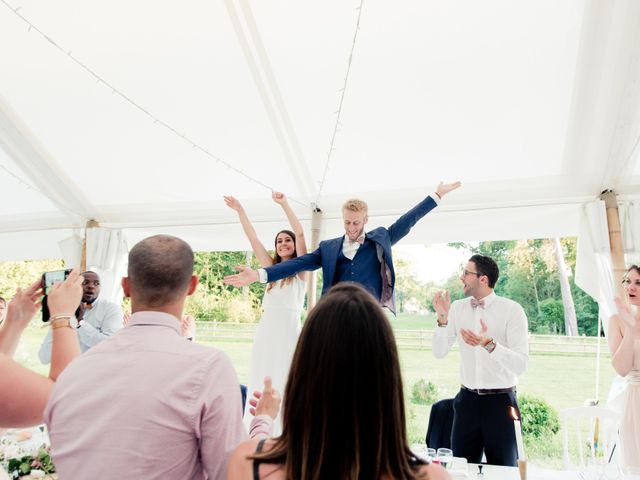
(562, 380)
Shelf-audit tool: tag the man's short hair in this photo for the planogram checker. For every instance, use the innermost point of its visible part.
(355, 205)
(160, 269)
(486, 266)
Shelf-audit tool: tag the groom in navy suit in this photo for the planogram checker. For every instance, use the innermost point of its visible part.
(360, 257)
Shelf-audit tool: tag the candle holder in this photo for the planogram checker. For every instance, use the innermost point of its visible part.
(522, 468)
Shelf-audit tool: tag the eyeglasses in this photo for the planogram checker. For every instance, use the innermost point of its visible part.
(466, 272)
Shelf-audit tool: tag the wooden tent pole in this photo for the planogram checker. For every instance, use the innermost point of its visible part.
(83, 256)
(615, 239)
(316, 220)
(617, 263)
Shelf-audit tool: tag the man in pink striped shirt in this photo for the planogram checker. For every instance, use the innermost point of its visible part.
(146, 403)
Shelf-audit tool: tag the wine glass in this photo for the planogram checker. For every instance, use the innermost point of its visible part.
(446, 457)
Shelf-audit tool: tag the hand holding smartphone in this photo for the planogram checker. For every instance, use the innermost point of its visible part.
(48, 279)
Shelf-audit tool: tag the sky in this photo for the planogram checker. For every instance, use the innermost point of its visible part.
(432, 263)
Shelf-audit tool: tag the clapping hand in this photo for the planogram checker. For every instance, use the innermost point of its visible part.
(442, 303)
(444, 188)
(476, 339)
(629, 320)
(266, 402)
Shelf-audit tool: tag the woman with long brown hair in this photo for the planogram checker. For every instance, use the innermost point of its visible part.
(282, 303)
(343, 414)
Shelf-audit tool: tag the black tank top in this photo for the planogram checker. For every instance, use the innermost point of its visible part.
(256, 462)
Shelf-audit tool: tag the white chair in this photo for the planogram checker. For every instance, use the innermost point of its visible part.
(585, 420)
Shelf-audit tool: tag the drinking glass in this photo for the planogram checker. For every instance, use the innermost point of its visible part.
(446, 457)
(431, 453)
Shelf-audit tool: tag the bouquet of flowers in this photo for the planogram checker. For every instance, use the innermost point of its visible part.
(19, 464)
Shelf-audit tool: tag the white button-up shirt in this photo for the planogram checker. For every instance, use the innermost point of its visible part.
(507, 325)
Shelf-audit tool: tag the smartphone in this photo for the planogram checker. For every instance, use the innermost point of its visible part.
(48, 279)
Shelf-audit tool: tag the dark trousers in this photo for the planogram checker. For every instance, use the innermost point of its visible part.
(484, 422)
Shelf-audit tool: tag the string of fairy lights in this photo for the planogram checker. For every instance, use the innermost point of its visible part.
(175, 131)
(343, 90)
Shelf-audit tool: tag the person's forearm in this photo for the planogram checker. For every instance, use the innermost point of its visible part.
(294, 222)
(440, 342)
(65, 348)
(261, 426)
(512, 360)
(9, 337)
(296, 226)
(622, 359)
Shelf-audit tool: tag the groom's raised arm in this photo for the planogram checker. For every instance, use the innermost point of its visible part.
(403, 225)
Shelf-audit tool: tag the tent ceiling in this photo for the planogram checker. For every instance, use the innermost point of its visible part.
(533, 105)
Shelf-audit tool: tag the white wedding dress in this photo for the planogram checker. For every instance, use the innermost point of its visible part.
(276, 339)
(626, 401)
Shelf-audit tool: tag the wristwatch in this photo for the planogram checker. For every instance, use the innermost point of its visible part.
(491, 346)
(70, 322)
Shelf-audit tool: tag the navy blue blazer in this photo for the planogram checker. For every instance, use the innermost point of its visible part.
(326, 255)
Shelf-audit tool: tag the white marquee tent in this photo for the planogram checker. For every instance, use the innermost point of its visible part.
(141, 115)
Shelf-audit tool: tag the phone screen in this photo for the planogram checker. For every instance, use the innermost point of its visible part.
(49, 278)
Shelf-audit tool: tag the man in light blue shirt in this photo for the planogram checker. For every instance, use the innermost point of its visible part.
(97, 318)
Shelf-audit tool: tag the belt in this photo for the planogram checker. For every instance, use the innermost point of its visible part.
(488, 391)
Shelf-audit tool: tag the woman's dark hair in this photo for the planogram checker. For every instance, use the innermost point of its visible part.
(488, 267)
(343, 408)
(278, 259)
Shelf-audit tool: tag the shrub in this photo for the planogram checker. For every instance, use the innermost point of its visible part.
(539, 419)
(224, 308)
(424, 393)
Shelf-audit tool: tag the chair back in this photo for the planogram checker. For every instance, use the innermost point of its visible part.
(591, 431)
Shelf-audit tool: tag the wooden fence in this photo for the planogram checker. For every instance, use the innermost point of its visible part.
(211, 332)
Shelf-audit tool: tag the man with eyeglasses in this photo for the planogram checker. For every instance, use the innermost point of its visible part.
(97, 318)
(492, 334)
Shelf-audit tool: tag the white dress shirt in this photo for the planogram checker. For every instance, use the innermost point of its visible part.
(507, 325)
(101, 321)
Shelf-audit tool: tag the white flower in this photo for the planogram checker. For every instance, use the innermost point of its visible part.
(37, 473)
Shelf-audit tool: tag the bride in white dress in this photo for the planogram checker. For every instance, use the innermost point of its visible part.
(279, 327)
(624, 344)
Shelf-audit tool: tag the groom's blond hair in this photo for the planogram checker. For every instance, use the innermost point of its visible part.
(355, 205)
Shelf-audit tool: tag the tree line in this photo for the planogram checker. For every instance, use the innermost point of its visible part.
(529, 274)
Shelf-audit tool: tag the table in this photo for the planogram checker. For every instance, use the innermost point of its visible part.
(13, 445)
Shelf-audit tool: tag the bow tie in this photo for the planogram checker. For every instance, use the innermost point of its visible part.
(359, 240)
(477, 303)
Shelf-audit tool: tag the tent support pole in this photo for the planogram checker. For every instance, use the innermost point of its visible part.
(615, 238)
(316, 221)
(83, 257)
(617, 261)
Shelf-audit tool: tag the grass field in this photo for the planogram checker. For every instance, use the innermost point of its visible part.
(562, 380)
